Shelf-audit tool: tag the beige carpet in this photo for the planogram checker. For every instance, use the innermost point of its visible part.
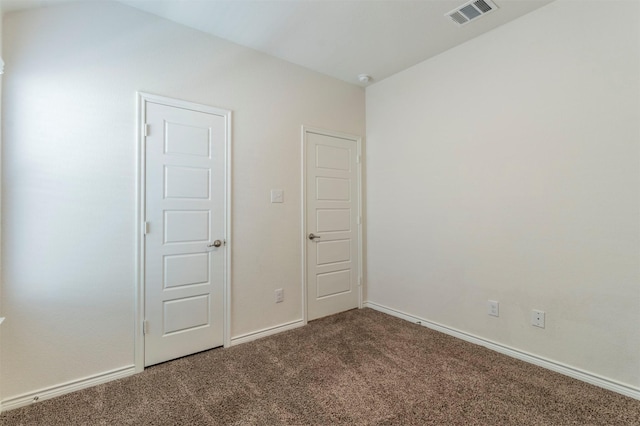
(360, 367)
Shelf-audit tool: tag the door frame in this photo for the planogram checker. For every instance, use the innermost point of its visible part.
(142, 100)
(359, 160)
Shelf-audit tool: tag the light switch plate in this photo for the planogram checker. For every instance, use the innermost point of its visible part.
(277, 196)
(493, 308)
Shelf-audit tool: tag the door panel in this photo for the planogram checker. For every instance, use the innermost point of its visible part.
(186, 226)
(332, 220)
(185, 314)
(331, 157)
(333, 252)
(186, 182)
(183, 139)
(332, 209)
(334, 283)
(185, 213)
(186, 269)
(333, 189)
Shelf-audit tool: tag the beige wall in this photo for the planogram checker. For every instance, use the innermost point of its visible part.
(507, 169)
(70, 174)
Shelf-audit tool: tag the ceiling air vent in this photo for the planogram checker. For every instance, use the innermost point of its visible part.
(471, 10)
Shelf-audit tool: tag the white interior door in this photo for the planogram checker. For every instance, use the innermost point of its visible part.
(185, 231)
(332, 222)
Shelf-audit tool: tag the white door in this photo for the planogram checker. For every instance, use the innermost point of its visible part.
(332, 221)
(185, 240)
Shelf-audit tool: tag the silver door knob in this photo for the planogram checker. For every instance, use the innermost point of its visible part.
(216, 243)
(313, 237)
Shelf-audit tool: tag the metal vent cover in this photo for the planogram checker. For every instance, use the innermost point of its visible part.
(471, 10)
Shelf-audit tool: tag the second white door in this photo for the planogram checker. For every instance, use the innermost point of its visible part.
(185, 220)
(332, 222)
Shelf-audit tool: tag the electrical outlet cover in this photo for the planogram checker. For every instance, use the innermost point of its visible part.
(537, 318)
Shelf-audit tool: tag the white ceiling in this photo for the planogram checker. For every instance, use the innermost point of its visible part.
(340, 38)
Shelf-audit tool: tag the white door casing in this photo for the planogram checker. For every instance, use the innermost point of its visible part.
(332, 222)
(184, 247)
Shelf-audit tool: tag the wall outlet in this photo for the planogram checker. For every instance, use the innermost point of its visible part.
(493, 308)
(279, 295)
(537, 318)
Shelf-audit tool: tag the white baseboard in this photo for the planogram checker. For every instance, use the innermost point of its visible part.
(244, 338)
(72, 386)
(558, 367)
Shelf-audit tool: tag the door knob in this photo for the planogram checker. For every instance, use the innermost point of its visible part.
(216, 243)
(313, 237)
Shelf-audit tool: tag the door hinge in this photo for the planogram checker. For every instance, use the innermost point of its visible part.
(358, 159)
(146, 228)
(359, 220)
(146, 129)
(360, 282)
(145, 327)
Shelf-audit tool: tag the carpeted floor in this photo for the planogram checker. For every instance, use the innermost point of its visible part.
(360, 367)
